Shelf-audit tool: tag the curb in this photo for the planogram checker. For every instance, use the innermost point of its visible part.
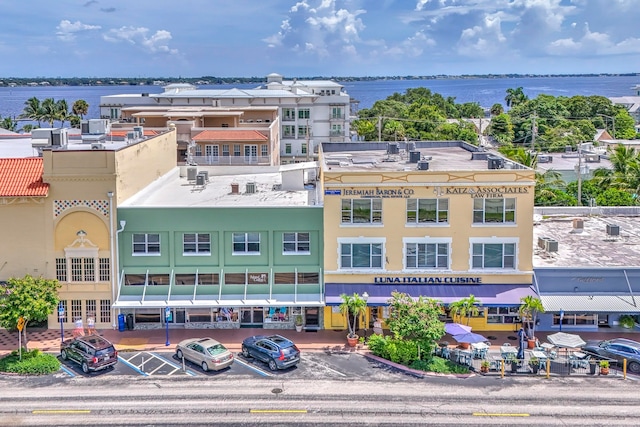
(412, 372)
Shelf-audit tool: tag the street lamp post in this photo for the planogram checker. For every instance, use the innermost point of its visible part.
(365, 297)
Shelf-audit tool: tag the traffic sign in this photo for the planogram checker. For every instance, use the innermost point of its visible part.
(21, 323)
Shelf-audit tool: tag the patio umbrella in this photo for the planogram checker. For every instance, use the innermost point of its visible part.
(469, 337)
(456, 328)
(562, 339)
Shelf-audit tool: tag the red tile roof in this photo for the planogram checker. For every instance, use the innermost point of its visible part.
(22, 178)
(230, 135)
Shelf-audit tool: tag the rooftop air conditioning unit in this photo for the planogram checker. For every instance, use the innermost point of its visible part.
(139, 130)
(97, 146)
(131, 136)
(578, 224)
(423, 165)
(613, 230)
(542, 242)
(392, 148)
(414, 156)
(551, 245)
(200, 180)
(191, 174)
(251, 187)
(495, 162)
(205, 174)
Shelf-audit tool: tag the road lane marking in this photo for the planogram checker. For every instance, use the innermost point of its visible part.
(132, 366)
(484, 414)
(61, 411)
(323, 366)
(253, 368)
(278, 411)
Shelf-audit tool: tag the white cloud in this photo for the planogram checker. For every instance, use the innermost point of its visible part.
(593, 43)
(67, 30)
(413, 46)
(138, 36)
(483, 40)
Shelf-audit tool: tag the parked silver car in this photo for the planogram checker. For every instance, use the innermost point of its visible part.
(618, 349)
(206, 352)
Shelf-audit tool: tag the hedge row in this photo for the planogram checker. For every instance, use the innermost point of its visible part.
(33, 362)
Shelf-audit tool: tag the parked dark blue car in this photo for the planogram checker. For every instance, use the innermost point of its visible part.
(275, 350)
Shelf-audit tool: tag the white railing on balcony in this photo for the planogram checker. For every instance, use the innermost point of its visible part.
(231, 160)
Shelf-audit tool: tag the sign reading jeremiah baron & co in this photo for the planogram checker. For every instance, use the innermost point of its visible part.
(405, 193)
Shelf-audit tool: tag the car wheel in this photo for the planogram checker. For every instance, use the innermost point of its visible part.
(85, 367)
(179, 354)
(63, 354)
(272, 365)
(205, 367)
(634, 367)
(245, 352)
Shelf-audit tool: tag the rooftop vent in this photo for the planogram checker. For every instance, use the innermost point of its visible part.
(551, 245)
(191, 174)
(392, 148)
(495, 162)
(251, 187)
(613, 230)
(235, 188)
(414, 156)
(578, 224)
(97, 146)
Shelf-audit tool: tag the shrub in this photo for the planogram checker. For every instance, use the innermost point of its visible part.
(627, 321)
(33, 362)
(378, 346)
(439, 365)
(403, 352)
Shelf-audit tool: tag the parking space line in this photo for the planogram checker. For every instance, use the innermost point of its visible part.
(170, 363)
(323, 366)
(134, 356)
(154, 371)
(132, 366)
(174, 371)
(67, 371)
(253, 368)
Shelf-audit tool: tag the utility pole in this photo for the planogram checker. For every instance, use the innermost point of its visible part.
(379, 128)
(534, 130)
(579, 174)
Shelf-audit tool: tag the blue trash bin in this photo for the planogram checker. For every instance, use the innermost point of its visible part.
(121, 323)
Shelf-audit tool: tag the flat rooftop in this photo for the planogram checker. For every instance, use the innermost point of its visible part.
(439, 156)
(173, 190)
(591, 247)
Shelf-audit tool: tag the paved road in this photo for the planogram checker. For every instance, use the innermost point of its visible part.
(165, 401)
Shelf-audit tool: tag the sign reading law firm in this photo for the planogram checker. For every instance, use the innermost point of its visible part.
(476, 192)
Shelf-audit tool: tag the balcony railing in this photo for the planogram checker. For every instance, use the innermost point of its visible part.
(336, 117)
(232, 160)
(336, 133)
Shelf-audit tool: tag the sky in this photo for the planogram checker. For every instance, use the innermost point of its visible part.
(307, 38)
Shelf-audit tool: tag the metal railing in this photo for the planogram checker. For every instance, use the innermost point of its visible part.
(232, 160)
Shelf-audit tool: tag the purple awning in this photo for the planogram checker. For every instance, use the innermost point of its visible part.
(489, 295)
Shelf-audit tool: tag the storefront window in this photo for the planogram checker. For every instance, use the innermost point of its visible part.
(147, 316)
(502, 315)
(576, 319)
(276, 314)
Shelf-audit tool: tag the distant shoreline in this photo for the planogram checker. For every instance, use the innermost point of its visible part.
(209, 80)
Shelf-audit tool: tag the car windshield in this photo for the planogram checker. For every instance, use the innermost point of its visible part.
(216, 349)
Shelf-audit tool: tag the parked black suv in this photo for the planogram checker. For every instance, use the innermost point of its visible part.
(92, 352)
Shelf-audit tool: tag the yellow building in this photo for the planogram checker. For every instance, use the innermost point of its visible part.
(58, 216)
(440, 220)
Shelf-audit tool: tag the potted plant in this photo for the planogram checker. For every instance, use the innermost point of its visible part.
(529, 309)
(352, 307)
(604, 367)
(484, 366)
(534, 364)
(626, 321)
(298, 323)
(513, 360)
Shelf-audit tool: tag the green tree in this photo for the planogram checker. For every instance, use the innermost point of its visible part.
(501, 129)
(366, 129)
(496, 109)
(616, 197)
(515, 97)
(466, 308)
(352, 307)
(28, 128)
(416, 320)
(80, 108)
(50, 111)
(63, 113)
(529, 308)
(625, 125)
(32, 298)
(32, 110)
(470, 110)
(8, 123)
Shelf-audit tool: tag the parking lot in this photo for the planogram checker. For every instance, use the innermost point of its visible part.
(321, 365)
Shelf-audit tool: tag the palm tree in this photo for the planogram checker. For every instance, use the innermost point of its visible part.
(80, 108)
(352, 305)
(529, 310)
(8, 123)
(63, 111)
(50, 111)
(496, 109)
(515, 97)
(625, 171)
(466, 307)
(32, 110)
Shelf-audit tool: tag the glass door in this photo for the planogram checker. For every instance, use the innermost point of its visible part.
(250, 153)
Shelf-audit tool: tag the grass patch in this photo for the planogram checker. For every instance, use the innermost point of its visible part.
(439, 365)
(33, 362)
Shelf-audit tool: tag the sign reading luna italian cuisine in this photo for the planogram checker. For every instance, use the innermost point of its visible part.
(429, 280)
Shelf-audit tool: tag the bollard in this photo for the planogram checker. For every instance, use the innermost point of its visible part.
(184, 367)
(142, 366)
(624, 369)
(502, 369)
(548, 368)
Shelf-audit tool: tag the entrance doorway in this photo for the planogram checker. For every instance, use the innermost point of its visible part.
(251, 317)
(312, 317)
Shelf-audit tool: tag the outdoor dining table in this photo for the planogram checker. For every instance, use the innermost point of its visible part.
(541, 356)
(480, 350)
(508, 350)
(547, 346)
(463, 357)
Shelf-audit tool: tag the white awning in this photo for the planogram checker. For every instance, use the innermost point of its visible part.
(129, 302)
(591, 303)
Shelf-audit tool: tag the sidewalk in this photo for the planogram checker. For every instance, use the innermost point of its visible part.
(323, 340)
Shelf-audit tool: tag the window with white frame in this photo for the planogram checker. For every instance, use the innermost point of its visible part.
(264, 150)
(104, 269)
(336, 113)
(361, 254)
(65, 310)
(105, 310)
(503, 315)
(493, 255)
(287, 148)
(494, 210)
(76, 309)
(246, 243)
(83, 269)
(303, 131)
(198, 150)
(196, 244)
(225, 150)
(427, 211)
(61, 269)
(288, 114)
(211, 151)
(146, 244)
(236, 150)
(361, 211)
(423, 254)
(304, 113)
(295, 244)
(304, 148)
(288, 131)
(336, 130)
